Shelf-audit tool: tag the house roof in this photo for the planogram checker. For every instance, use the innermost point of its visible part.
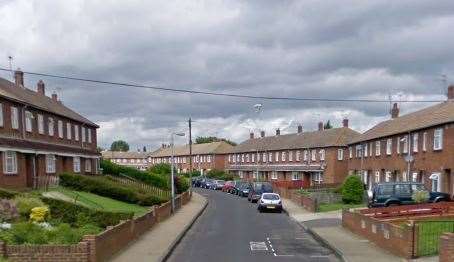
(220, 147)
(11, 91)
(313, 139)
(120, 154)
(438, 114)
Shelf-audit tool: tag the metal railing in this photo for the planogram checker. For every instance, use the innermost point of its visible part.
(428, 235)
(46, 182)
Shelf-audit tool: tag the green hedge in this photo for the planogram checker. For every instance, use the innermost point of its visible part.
(221, 175)
(6, 193)
(78, 215)
(104, 187)
(352, 190)
(156, 180)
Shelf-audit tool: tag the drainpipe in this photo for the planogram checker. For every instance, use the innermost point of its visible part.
(409, 155)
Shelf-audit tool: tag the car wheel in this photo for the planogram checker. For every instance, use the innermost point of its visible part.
(392, 204)
(440, 200)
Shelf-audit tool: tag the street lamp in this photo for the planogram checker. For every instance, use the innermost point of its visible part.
(172, 160)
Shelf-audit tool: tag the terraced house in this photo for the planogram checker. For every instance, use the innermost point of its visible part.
(134, 159)
(39, 136)
(308, 158)
(205, 157)
(418, 146)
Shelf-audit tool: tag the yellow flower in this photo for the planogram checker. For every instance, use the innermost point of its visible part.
(39, 214)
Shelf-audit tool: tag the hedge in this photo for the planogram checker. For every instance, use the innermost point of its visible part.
(75, 214)
(6, 193)
(108, 188)
(110, 168)
(352, 190)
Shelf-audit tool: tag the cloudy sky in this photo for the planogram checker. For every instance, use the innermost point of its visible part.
(317, 49)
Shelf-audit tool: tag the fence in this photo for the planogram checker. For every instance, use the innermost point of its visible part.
(142, 186)
(429, 233)
(46, 181)
(407, 211)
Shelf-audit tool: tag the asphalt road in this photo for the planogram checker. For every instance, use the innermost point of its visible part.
(231, 229)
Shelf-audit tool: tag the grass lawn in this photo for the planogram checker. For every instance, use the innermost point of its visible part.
(429, 235)
(95, 201)
(337, 206)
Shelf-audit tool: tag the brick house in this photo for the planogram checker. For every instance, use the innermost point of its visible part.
(138, 160)
(418, 146)
(313, 157)
(40, 136)
(205, 157)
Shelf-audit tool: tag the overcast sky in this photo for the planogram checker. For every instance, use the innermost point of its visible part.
(326, 49)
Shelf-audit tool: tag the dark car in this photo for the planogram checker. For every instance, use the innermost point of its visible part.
(256, 190)
(243, 190)
(400, 193)
(236, 187)
(209, 183)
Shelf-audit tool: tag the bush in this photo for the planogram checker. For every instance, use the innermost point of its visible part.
(221, 175)
(162, 169)
(181, 184)
(39, 214)
(77, 215)
(352, 190)
(8, 194)
(420, 196)
(26, 204)
(149, 178)
(8, 211)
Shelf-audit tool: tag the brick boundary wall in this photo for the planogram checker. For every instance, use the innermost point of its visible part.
(93, 248)
(398, 240)
(446, 248)
(308, 203)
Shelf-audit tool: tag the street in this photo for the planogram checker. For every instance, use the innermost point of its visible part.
(231, 229)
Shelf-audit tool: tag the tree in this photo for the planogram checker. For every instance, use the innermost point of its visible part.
(210, 139)
(352, 190)
(328, 125)
(119, 145)
(163, 169)
(144, 149)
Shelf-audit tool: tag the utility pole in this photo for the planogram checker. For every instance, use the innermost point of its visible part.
(190, 145)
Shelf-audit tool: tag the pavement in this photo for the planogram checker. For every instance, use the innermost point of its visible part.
(158, 242)
(327, 228)
(232, 229)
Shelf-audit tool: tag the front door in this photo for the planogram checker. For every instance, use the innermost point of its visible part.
(30, 169)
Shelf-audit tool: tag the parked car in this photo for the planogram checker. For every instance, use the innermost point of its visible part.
(243, 190)
(271, 202)
(227, 186)
(257, 189)
(209, 183)
(236, 187)
(400, 193)
(218, 184)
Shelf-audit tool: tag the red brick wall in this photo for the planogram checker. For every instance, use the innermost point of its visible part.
(446, 247)
(45, 253)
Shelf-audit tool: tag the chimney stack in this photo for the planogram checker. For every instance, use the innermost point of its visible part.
(278, 132)
(54, 97)
(395, 111)
(41, 88)
(320, 126)
(451, 92)
(262, 133)
(300, 129)
(345, 122)
(251, 135)
(19, 77)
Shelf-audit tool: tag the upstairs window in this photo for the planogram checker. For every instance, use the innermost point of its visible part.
(377, 148)
(51, 126)
(370, 148)
(438, 139)
(290, 156)
(365, 150)
(322, 154)
(14, 118)
(313, 155)
(247, 158)
(60, 129)
(270, 157)
(68, 130)
(276, 157)
(252, 157)
(415, 142)
(230, 157)
(9, 162)
(50, 164)
(28, 121)
(40, 124)
(283, 156)
(242, 158)
(389, 146)
(264, 157)
(274, 175)
(89, 135)
(305, 155)
(350, 152)
(405, 149)
(424, 141)
(1, 114)
(298, 155)
(76, 132)
(84, 138)
(340, 154)
(398, 145)
(358, 151)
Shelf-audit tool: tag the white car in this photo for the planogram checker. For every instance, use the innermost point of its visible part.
(271, 202)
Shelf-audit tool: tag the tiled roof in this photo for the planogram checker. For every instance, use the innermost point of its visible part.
(129, 154)
(438, 114)
(197, 149)
(325, 138)
(9, 90)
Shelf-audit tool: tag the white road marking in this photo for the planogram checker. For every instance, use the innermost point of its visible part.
(319, 256)
(258, 246)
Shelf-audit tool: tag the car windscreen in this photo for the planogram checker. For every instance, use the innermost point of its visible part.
(270, 197)
(386, 189)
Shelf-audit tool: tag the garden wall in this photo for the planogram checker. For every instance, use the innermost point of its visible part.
(446, 248)
(99, 247)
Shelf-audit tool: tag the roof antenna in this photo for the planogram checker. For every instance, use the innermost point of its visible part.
(444, 80)
(10, 60)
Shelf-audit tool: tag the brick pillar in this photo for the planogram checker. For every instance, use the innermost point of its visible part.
(3, 249)
(446, 247)
(91, 245)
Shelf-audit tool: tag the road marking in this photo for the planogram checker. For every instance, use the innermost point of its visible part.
(283, 255)
(319, 256)
(258, 246)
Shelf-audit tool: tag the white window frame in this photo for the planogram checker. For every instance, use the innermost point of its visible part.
(76, 132)
(322, 154)
(377, 148)
(76, 164)
(274, 175)
(40, 124)
(340, 154)
(89, 135)
(350, 152)
(28, 121)
(14, 117)
(398, 145)
(1, 114)
(84, 138)
(290, 156)
(377, 176)
(283, 156)
(252, 157)
(9, 162)
(247, 158)
(296, 175)
(87, 165)
(358, 151)
(436, 181)
(51, 126)
(313, 155)
(60, 128)
(270, 157)
(264, 157)
(438, 139)
(298, 155)
(414, 177)
(68, 131)
(242, 158)
(387, 176)
(365, 149)
(405, 149)
(415, 142)
(424, 141)
(389, 146)
(276, 156)
(306, 155)
(370, 148)
(50, 164)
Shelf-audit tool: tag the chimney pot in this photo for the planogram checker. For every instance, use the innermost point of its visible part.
(54, 97)
(19, 77)
(395, 111)
(345, 122)
(320, 126)
(41, 88)
(251, 135)
(278, 132)
(262, 133)
(300, 129)
(451, 92)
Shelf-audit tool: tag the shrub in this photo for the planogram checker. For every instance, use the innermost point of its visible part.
(181, 184)
(8, 210)
(77, 215)
(352, 190)
(6, 193)
(39, 214)
(420, 196)
(26, 204)
(219, 174)
(163, 169)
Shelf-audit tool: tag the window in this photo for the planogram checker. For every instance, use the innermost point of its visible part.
(76, 132)
(209, 159)
(436, 185)
(296, 175)
(258, 157)
(254, 175)
(1, 114)
(84, 138)
(415, 142)
(51, 126)
(424, 141)
(50, 164)
(377, 148)
(350, 152)
(28, 121)
(274, 175)
(9, 162)
(87, 165)
(60, 129)
(270, 157)
(298, 155)
(283, 155)
(230, 158)
(438, 139)
(313, 155)
(276, 156)
(377, 176)
(414, 177)
(398, 145)
(340, 154)
(247, 158)
(264, 157)
(40, 124)
(242, 158)
(358, 151)
(386, 190)
(305, 155)
(89, 135)
(389, 146)
(402, 189)
(404, 176)
(76, 164)
(365, 150)
(240, 174)
(14, 118)
(252, 158)
(387, 176)
(370, 148)
(317, 178)
(405, 149)
(68, 130)
(290, 156)
(322, 154)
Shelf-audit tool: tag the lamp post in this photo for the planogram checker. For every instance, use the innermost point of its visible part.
(172, 159)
